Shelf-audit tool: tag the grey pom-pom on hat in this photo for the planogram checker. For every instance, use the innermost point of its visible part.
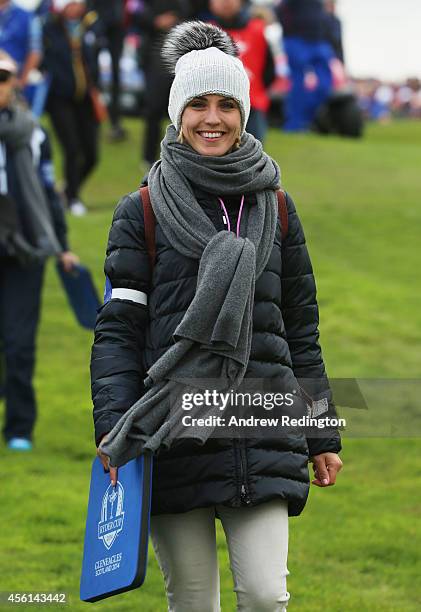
(204, 60)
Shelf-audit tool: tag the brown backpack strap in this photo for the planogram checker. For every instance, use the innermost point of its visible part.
(283, 213)
(149, 222)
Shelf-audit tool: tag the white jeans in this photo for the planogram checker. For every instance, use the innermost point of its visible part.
(257, 539)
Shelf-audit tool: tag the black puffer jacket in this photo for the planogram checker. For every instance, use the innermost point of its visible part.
(130, 337)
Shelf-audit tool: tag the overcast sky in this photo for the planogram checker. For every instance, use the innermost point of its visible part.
(382, 37)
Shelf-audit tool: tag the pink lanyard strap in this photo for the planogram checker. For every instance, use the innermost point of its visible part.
(227, 216)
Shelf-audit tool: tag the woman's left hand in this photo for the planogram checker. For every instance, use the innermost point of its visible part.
(68, 260)
(325, 467)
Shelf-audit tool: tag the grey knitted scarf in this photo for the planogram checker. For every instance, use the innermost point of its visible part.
(213, 340)
(16, 130)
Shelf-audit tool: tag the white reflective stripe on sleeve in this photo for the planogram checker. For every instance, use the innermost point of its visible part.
(130, 294)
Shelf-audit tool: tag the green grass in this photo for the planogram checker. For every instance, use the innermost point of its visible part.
(356, 546)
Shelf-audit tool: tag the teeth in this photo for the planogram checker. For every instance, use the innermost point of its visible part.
(211, 134)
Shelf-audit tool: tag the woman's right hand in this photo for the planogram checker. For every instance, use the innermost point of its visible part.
(105, 460)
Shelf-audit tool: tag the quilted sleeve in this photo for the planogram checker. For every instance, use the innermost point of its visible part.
(301, 318)
(117, 370)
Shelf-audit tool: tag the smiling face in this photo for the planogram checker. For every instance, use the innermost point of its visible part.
(211, 124)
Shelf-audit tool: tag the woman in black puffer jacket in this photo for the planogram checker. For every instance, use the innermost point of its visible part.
(241, 304)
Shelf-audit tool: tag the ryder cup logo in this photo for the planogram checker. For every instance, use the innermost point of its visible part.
(112, 515)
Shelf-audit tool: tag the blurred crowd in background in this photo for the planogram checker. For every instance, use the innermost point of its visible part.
(382, 101)
(83, 62)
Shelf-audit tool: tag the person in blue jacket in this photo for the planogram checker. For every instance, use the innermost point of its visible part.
(20, 37)
(303, 23)
(35, 228)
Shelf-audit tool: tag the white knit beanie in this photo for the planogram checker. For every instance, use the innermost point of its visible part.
(204, 60)
(7, 63)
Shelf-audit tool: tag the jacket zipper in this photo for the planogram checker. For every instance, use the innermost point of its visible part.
(223, 221)
(239, 444)
(244, 491)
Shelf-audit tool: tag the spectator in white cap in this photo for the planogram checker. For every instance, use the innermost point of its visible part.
(32, 227)
(208, 283)
(8, 65)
